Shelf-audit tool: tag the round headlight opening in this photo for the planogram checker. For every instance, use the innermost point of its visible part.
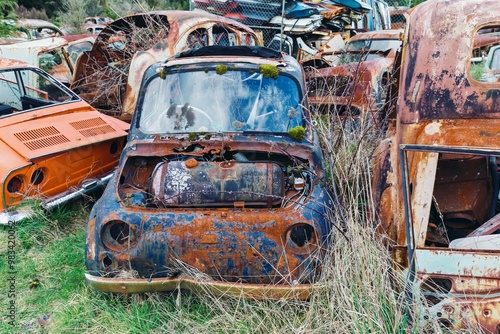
(15, 184)
(301, 234)
(37, 176)
(120, 232)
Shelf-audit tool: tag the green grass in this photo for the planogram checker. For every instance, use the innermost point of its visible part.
(477, 70)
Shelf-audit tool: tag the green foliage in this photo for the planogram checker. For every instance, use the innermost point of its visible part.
(477, 70)
(7, 29)
(7, 6)
(51, 7)
(162, 72)
(221, 69)
(269, 71)
(297, 133)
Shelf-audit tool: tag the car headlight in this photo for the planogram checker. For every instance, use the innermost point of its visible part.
(117, 234)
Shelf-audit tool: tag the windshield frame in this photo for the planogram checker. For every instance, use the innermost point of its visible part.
(298, 110)
(369, 43)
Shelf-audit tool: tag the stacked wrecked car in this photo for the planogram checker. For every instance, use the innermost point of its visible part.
(109, 75)
(352, 84)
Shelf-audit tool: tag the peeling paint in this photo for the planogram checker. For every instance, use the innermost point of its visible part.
(438, 197)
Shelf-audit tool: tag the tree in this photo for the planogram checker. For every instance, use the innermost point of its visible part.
(7, 7)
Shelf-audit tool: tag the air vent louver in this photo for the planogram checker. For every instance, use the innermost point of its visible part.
(40, 138)
(92, 127)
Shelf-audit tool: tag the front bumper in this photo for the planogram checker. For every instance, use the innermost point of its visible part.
(215, 288)
(87, 188)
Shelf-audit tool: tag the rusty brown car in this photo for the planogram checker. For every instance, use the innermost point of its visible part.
(221, 185)
(437, 177)
(55, 147)
(354, 83)
(109, 75)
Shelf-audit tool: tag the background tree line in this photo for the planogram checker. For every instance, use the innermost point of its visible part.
(73, 12)
(53, 9)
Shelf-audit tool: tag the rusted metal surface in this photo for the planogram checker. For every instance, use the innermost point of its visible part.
(462, 288)
(235, 202)
(219, 288)
(357, 80)
(487, 228)
(51, 140)
(351, 90)
(437, 181)
(435, 88)
(56, 55)
(34, 28)
(110, 74)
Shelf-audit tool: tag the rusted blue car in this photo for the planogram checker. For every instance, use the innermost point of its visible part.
(222, 176)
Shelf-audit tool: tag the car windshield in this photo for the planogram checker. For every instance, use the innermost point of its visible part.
(233, 100)
(373, 45)
(25, 89)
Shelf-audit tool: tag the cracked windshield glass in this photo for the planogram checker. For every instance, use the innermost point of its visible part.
(220, 99)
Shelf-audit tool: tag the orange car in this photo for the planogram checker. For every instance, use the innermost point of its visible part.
(51, 141)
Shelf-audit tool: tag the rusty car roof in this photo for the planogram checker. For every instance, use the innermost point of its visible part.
(42, 43)
(183, 19)
(48, 43)
(256, 55)
(435, 81)
(378, 34)
(177, 24)
(38, 24)
(12, 63)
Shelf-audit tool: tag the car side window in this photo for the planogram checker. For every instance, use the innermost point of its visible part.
(485, 56)
(11, 96)
(197, 39)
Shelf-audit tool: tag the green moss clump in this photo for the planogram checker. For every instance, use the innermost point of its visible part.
(269, 71)
(162, 72)
(193, 136)
(297, 133)
(220, 69)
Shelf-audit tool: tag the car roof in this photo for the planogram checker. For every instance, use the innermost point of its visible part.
(243, 51)
(48, 43)
(180, 16)
(36, 23)
(6, 63)
(378, 34)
